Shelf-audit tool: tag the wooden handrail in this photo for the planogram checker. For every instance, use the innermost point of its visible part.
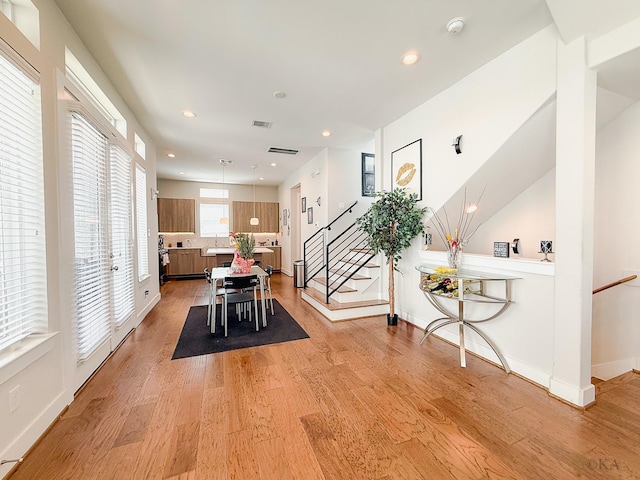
(613, 284)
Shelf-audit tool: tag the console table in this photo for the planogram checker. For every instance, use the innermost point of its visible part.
(448, 290)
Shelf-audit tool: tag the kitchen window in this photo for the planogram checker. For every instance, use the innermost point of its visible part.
(210, 215)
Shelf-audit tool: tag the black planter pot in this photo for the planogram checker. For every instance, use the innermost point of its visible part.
(392, 320)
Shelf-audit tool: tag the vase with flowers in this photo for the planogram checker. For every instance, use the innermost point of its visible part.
(456, 238)
(243, 256)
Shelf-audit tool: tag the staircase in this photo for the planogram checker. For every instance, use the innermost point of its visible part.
(342, 276)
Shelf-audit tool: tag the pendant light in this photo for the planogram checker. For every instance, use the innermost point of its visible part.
(254, 220)
(224, 162)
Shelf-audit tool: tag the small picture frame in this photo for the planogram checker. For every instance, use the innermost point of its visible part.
(304, 204)
(284, 217)
(310, 215)
(501, 249)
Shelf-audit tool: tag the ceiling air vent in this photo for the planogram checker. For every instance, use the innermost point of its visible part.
(261, 124)
(286, 151)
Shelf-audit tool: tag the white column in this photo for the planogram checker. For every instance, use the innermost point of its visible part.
(575, 167)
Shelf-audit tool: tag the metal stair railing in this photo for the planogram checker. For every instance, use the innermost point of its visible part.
(339, 258)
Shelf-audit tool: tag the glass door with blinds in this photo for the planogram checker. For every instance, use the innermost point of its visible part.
(103, 283)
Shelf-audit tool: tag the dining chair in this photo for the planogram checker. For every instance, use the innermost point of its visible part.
(267, 286)
(240, 290)
(214, 293)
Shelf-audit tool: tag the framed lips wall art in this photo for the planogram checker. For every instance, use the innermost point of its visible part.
(406, 168)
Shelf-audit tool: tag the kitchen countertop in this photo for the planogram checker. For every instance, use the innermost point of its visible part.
(229, 251)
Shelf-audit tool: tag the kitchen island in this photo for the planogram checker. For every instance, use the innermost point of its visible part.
(190, 262)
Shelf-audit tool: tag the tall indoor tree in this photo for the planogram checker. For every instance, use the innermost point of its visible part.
(391, 222)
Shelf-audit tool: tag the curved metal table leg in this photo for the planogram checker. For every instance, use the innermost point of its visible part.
(428, 331)
(493, 347)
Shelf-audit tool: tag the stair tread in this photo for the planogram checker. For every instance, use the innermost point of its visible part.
(335, 305)
(344, 273)
(342, 289)
(366, 265)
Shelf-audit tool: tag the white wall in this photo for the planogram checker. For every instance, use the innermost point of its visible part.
(487, 107)
(616, 330)
(334, 175)
(43, 375)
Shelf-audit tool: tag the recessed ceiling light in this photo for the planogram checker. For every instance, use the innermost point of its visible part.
(171, 155)
(410, 58)
(326, 133)
(274, 164)
(261, 178)
(188, 114)
(279, 94)
(180, 173)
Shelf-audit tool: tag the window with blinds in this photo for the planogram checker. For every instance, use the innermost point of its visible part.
(121, 235)
(141, 223)
(91, 240)
(23, 290)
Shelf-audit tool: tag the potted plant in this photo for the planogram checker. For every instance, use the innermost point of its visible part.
(391, 222)
(243, 256)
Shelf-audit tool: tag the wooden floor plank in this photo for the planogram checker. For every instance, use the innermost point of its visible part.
(357, 400)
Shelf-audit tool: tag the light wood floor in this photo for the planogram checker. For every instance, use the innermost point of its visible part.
(357, 400)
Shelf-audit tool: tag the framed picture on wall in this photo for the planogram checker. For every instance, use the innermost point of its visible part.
(284, 217)
(310, 215)
(368, 174)
(304, 204)
(406, 168)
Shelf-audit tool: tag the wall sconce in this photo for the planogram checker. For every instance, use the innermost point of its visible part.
(456, 144)
(318, 201)
(315, 173)
(154, 193)
(515, 245)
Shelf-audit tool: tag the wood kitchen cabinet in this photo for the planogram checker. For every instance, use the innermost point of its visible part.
(273, 259)
(267, 212)
(176, 215)
(188, 261)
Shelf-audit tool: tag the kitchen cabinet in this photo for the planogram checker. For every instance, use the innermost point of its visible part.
(267, 212)
(176, 215)
(188, 261)
(273, 259)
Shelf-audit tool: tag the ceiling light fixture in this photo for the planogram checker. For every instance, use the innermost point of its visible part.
(279, 94)
(254, 220)
(274, 164)
(455, 25)
(171, 155)
(188, 114)
(410, 58)
(326, 133)
(224, 162)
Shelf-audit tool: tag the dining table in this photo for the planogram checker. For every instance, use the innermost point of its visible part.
(220, 273)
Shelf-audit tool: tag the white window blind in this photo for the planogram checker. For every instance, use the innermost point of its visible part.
(91, 239)
(141, 223)
(121, 235)
(23, 294)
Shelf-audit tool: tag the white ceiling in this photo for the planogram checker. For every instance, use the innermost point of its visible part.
(338, 61)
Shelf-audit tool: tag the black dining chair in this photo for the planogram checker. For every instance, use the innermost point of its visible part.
(241, 291)
(267, 286)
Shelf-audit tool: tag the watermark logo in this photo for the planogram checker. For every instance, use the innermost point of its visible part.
(603, 464)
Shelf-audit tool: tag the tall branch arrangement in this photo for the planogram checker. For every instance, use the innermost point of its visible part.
(458, 236)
